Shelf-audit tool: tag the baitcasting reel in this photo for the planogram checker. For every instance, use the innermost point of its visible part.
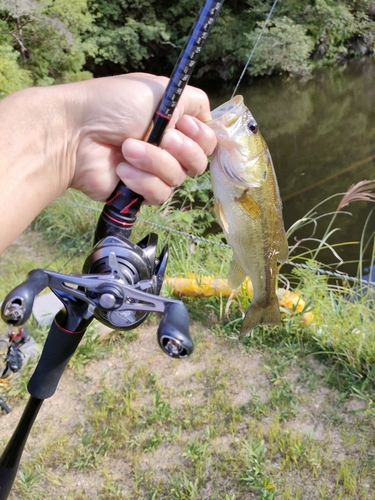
(120, 287)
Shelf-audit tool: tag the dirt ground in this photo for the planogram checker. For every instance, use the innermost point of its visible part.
(243, 374)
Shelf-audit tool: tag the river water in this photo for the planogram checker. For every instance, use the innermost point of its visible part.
(321, 135)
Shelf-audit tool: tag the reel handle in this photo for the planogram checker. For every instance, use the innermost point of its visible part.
(173, 333)
(18, 304)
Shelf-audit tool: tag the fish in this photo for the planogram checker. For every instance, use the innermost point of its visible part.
(249, 209)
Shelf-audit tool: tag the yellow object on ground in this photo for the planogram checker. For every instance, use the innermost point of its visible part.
(293, 302)
(209, 286)
(205, 286)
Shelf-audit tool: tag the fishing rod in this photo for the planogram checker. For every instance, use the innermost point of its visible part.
(119, 213)
(121, 280)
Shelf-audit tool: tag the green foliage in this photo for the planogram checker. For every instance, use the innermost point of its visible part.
(70, 220)
(242, 418)
(337, 27)
(343, 324)
(126, 33)
(12, 76)
(284, 48)
(48, 37)
(59, 41)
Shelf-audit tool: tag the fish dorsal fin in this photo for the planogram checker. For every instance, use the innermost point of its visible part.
(249, 205)
(236, 274)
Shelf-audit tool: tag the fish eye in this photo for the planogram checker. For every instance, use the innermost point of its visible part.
(253, 126)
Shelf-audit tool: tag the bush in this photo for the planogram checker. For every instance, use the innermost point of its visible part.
(12, 76)
(284, 48)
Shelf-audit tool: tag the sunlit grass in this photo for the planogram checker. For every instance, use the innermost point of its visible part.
(217, 433)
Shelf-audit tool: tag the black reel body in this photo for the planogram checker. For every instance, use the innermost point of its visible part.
(134, 265)
(120, 287)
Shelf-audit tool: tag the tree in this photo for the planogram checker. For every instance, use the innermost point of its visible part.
(12, 76)
(284, 47)
(129, 36)
(48, 37)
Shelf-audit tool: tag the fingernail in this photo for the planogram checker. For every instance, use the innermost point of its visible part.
(172, 139)
(193, 125)
(122, 169)
(132, 148)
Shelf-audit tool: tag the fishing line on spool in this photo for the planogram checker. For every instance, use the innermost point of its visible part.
(195, 239)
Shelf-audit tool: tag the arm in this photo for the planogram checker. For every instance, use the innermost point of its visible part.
(88, 135)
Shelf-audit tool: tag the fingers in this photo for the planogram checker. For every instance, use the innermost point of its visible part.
(153, 171)
(151, 187)
(150, 170)
(203, 135)
(194, 102)
(115, 115)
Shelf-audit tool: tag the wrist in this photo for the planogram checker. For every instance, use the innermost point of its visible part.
(32, 123)
(35, 123)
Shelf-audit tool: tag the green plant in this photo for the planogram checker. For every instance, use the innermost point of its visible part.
(255, 469)
(285, 47)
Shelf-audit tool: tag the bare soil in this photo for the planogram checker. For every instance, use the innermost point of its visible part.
(244, 373)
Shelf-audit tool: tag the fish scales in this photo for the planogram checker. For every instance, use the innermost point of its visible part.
(248, 207)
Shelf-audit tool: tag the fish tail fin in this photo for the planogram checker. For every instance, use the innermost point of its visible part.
(258, 314)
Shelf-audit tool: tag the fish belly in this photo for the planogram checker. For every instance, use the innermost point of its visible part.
(251, 235)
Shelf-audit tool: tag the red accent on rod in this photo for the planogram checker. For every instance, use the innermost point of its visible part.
(65, 330)
(114, 197)
(162, 115)
(125, 210)
(119, 222)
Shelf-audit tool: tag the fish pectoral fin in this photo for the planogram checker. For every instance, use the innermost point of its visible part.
(236, 274)
(284, 250)
(249, 205)
(221, 216)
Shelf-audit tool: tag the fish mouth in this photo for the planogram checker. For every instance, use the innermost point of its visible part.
(232, 108)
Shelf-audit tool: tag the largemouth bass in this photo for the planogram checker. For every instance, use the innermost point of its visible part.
(248, 207)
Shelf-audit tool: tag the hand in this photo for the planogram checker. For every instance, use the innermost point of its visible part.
(88, 135)
(115, 115)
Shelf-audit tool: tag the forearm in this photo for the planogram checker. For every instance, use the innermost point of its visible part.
(32, 123)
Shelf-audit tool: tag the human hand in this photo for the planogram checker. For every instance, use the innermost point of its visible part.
(88, 135)
(112, 119)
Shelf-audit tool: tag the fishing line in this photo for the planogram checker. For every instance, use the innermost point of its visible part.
(195, 239)
(255, 46)
(86, 238)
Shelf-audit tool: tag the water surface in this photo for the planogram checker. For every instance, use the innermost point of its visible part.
(321, 134)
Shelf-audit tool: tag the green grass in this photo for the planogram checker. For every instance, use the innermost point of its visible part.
(202, 443)
(286, 412)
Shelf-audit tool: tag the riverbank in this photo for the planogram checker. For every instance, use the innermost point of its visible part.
(287, 412)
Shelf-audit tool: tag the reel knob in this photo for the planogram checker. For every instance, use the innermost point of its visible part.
(173, 332)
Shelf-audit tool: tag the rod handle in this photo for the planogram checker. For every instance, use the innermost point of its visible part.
(119, 214)
(7, 477)
(57, 351)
